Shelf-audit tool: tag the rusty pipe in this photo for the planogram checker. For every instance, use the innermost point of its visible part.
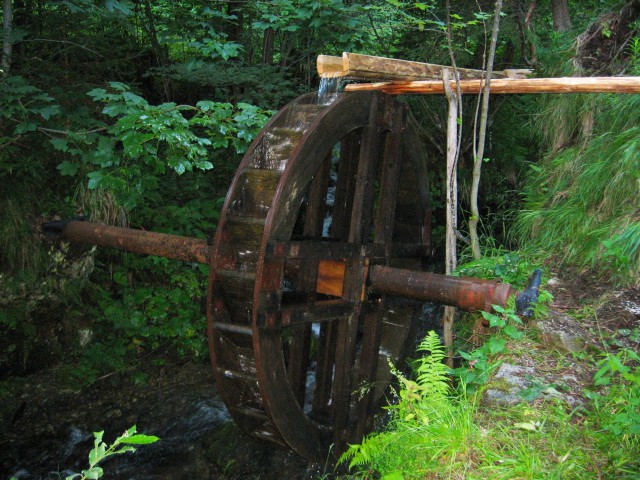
(468, 294)
(185, 249)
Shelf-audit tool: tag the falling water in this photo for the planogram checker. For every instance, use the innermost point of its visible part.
(328, 89)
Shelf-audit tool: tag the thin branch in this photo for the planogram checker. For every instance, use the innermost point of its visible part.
(64, 41)
(478, 157)
(7, 20)
(67, 132)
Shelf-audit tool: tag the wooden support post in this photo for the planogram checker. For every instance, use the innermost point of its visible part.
(510, 86)
(452, 206)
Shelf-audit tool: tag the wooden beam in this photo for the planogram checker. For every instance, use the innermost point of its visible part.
(510, 86)
(367, 67)
(329, 66)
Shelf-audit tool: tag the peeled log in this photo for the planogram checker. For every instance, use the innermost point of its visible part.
(354, 65)
(510, 86)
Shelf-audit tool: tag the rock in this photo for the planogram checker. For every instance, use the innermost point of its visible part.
(506, 383)
(562, 332)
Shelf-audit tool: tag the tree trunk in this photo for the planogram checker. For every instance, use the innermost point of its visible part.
(235, 27)
(267, 47)
(561, 19)
(451, 205)
(156, 49)
(7, 14)
(479, 153)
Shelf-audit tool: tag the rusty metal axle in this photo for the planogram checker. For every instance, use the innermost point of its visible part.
(164, 245)
(466, 293)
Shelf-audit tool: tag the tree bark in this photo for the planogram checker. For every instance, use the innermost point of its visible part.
(479, 153)
(7, 17)
(234, 28)
(156, 49)
(561, 18)
(267, 47)
(451, 259)
(511, 86)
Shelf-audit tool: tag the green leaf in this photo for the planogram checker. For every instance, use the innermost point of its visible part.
(93, 473)
(124, 450)
(25, 127)
(530, 426)
(48, 112)
(67, 168)
(140, 439)
(60, 144)
(97, 93)
(94, 182)
(395, 475)
(98, 437)
(512, 332)
(496, 345)
(494, 320)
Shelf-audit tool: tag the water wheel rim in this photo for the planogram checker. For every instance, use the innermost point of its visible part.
(284, 421)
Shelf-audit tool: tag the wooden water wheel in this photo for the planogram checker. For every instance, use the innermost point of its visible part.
(300, 345)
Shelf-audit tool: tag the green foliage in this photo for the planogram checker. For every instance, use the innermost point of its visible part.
(457, 438)
(148, 304)
(27, 115)
(479, 363)
(428, 428)
(619, 408)
(581, 202)
(510, 267)
(146, 140)
(101, 451)
(616, 411)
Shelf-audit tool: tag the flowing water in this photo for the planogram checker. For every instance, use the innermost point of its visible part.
(328, 89)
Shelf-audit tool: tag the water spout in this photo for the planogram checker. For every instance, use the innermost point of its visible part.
(329, 88)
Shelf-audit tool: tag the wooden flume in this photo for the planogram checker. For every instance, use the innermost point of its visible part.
(400, 77)
(508, 86)
(367, 67)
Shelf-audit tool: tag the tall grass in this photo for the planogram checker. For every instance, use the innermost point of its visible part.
(582, 202)
(19, 249)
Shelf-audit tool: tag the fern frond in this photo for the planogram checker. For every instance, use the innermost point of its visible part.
(432, 373)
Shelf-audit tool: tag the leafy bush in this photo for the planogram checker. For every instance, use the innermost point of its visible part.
(128, 156)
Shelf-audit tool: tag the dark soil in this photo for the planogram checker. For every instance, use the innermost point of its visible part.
(612, 314)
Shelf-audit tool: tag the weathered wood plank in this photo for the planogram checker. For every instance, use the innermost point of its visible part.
(510, 86)
(331, 277)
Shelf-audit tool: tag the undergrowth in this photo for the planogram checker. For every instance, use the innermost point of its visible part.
(581, 201)
(441, 427)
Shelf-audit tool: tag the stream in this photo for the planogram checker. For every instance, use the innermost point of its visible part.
(46, 430)
(46, 425)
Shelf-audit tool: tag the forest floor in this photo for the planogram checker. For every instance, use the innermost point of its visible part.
(46, 424)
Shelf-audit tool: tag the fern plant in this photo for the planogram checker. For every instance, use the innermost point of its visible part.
(433, 374)
(425, 422)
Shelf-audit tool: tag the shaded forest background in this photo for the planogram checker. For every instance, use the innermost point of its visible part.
(137, 113)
